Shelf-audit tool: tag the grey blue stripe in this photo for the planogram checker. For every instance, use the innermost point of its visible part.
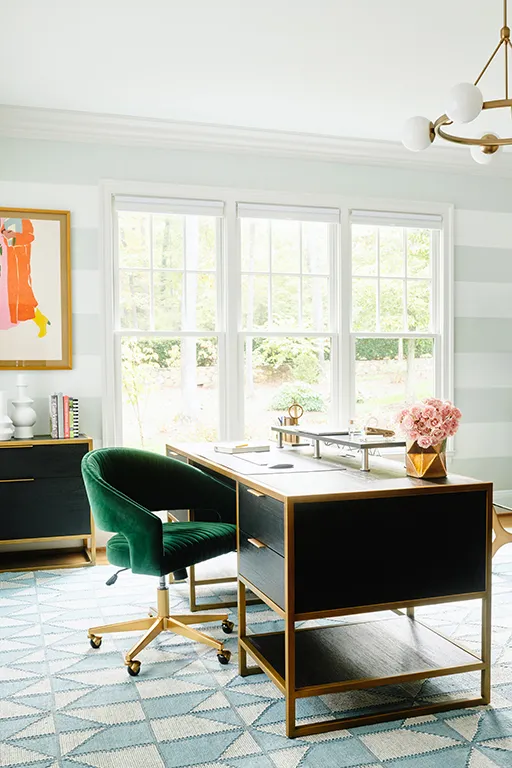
(485, 405)
(483, 334)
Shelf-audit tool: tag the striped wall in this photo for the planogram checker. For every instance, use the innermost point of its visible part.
(483, 345)
(47, 174)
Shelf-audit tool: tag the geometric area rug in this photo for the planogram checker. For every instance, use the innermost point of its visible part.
(65, 705)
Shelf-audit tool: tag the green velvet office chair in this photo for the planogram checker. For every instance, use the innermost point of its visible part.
(125, 486)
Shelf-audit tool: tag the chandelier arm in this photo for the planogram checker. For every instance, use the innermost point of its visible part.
(484, 70)
(494, 142)
(506, 69)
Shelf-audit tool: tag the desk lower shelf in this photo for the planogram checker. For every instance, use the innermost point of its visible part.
(361, 655)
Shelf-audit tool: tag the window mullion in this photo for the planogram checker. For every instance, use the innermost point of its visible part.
(270, 309)
(377, 325)
(404, 245)
(151, 277)
(301, 321)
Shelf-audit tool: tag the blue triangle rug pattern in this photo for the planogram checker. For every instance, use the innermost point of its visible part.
(65, 705)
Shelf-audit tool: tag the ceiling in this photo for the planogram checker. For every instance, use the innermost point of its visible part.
(350, 68)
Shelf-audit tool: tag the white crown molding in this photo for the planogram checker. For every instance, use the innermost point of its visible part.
(89, 127)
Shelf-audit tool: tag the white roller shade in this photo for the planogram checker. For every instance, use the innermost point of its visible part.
(396, 219)
(169, 205)
(292, 212)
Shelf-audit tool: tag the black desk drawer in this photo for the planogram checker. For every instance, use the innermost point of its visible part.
(262, 517)
(262, 567)
(43, 508)
(42, 461)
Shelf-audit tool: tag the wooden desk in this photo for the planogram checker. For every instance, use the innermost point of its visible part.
(382, 541)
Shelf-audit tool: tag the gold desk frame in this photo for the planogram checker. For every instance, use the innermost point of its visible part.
(287, 684)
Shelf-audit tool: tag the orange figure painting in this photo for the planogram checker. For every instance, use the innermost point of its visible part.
(17, 300)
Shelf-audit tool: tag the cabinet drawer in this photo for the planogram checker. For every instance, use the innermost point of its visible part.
(262, 567)
(262, 517)
(43, 507)
(40, 461)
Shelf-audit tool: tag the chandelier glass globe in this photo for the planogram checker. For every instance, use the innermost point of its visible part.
(417, 133)
(485, 155)
(465, 103)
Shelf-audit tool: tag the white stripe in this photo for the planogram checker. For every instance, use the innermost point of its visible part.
(478, 369)
(483, 441)
(483, 228)
(84, 380)
(81, 200)
(483, 299)
(86, 291)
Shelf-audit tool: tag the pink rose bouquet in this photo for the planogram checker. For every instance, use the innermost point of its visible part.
(429, 422)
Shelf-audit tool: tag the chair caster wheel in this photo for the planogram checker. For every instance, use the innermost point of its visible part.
(227, 626)
(223, 657)
(133, 668)
(95, 641)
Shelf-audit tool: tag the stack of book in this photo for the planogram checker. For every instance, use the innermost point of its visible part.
(64, 419)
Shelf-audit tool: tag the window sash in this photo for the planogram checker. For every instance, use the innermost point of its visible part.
(289, 212)
(395, 219)
(231, 337)
(169, 205)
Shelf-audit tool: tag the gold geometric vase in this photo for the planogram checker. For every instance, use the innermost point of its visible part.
(425, 462)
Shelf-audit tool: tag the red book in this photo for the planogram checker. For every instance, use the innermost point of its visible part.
(66, 415)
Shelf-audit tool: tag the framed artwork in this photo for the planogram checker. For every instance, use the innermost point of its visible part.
(35, 290)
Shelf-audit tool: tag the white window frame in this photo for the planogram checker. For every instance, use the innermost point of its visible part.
(436, 333)
(229, 333)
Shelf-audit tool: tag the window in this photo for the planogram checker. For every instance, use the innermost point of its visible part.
(167, 321)
(287, 318)
(396, 336)
(226, 312)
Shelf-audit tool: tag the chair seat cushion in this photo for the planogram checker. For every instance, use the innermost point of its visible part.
(185, 544)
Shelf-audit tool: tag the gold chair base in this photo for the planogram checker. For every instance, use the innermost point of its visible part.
(163, 621)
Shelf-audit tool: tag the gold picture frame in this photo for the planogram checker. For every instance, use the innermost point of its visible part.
(35, 290)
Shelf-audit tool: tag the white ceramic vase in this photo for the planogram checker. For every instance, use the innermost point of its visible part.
(6, 427)
(23, 415)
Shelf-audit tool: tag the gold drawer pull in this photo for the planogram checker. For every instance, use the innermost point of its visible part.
(19, 480)
(257, 543)
(255, 493)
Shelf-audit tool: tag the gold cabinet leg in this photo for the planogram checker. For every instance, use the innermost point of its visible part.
(410, 612)
(290, 678)
(242, 629)
(156, 627)
(122, 626)
(485, 688)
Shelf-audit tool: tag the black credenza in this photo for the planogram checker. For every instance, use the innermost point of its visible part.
(43, 500)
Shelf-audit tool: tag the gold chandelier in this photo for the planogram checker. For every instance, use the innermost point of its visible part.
(465, 104)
